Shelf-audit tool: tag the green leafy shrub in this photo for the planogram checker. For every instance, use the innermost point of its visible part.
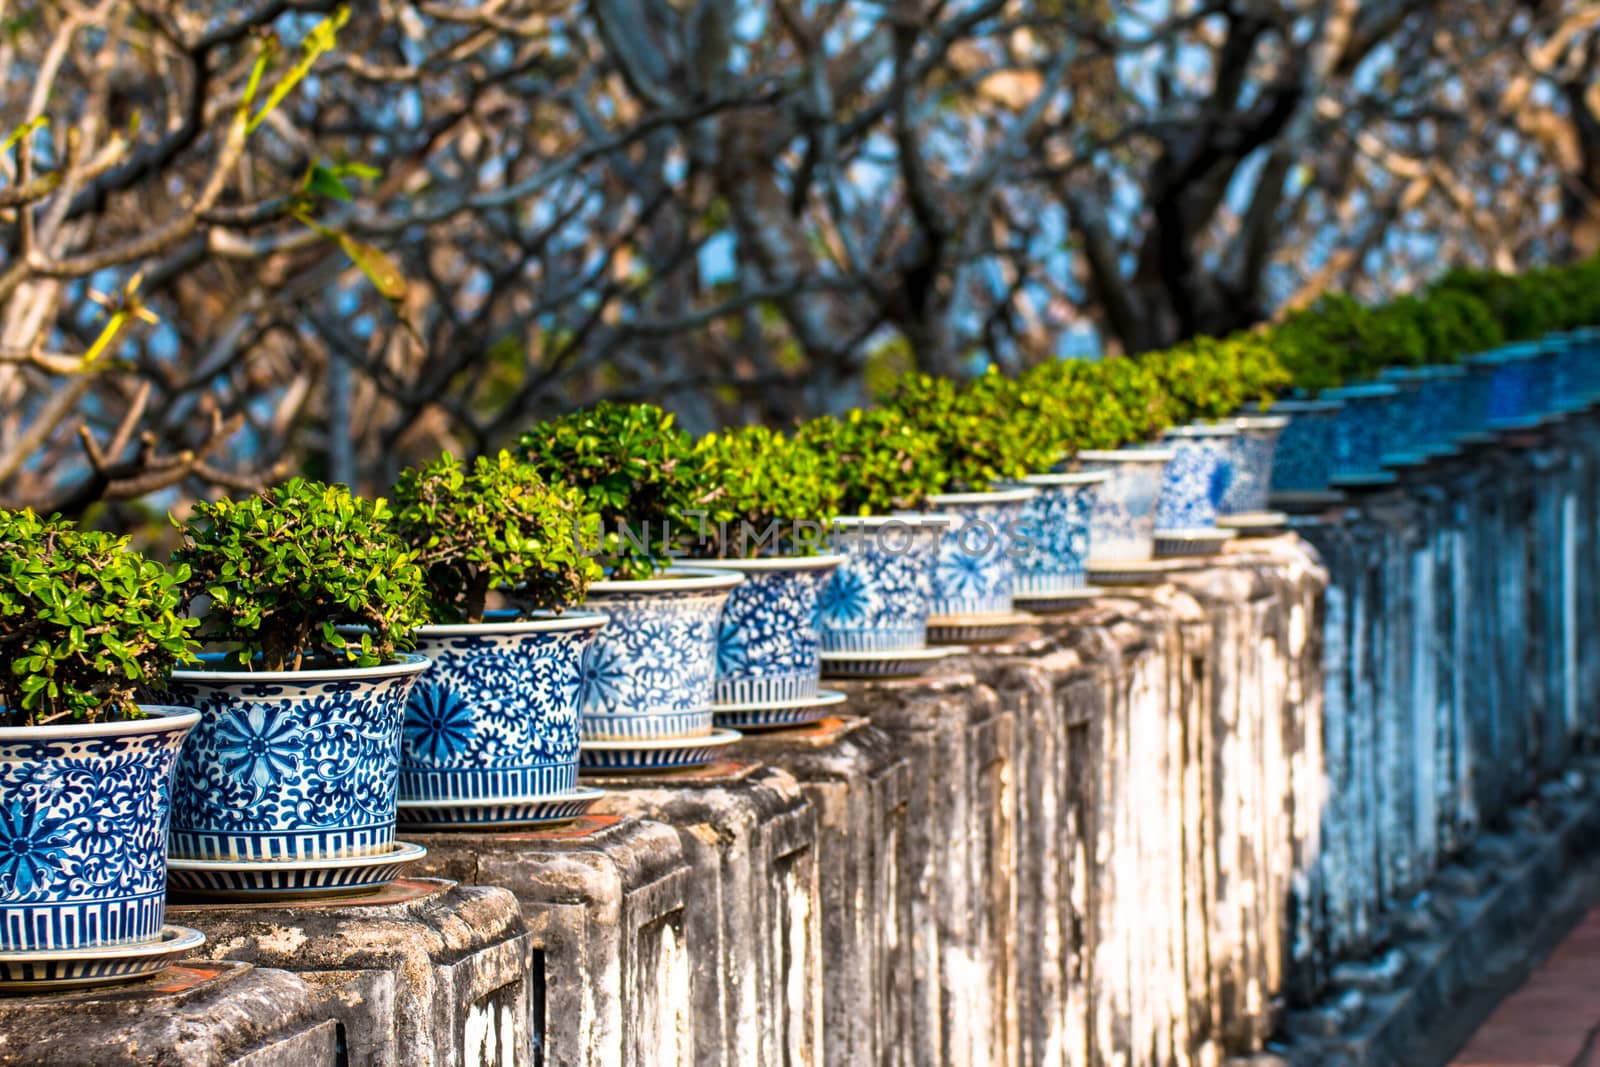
(981, 428)
(776, 493)
(495, 524)
(876, 460)
(85, 622)
(1208, 378)
(1453, 323)
(284, 567)
(636, 472)
(1526, 306)
(1337, 340)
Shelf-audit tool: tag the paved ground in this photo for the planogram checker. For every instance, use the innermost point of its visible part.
(1553, 1018)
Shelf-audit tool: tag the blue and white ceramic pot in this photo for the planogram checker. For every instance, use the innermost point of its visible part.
(1543, 387)
(1056, 522)
(1123, 526)
(1361, 432)
(878, 598)
(1588, 362)
(1197, 478)
(1443, 391)
(1302, 462)
(1251, 452)
(1405, 429)
(768, 642)
(496, 715)
(975, 572)
(1566, 386)
(651, 673)
(1468, 420)
(1512, 400)
(290, 765)
(83, 831)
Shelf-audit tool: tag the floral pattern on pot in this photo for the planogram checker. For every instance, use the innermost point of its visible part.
(496, 715)
(83, 831)
(1123, 526)
(1251, 453)
(650, 673)
(975, 571)
(290, 765)
(1194, 483)
(767, 642)
(1057, 522)
(1303, 462)
(877, 600)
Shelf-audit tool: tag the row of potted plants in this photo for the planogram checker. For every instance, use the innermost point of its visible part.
(617, 592)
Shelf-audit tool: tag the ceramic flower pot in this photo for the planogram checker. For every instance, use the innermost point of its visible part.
(1302, 461)
(975, 572)
(1468, 418)
(1251, 452)
(1197, 478)
(1123, 525)
(1512, 403)
(496, 715)
(83, 831)
(1057, 522)
(290, 765)
(651, 672)
(878, 598)
(1405, 423)
(1441, 392)
(1361, 433)
(767, 644)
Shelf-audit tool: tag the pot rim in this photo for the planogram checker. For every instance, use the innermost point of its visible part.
(164, 718)
(673, 580)
(759, 564)
(993, 496)
(910, 519)
(1363, 391)
(1053, 478)
(541, 622)
(1126, 455)
(1302, 407)
(1259, 423)
(1201, 430)
(410, 663)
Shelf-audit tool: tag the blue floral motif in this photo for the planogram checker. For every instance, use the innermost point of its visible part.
(1057, 525)
(83, 826)
(256, 746)
(767, 644)
(439, 725)
(1194, 482)
(845, 599)
(1360, 433)
(975, 572)
(879, 597)
(1124, 521)
(33, 849)
(496, 716)
(652, 670)
(302, 768)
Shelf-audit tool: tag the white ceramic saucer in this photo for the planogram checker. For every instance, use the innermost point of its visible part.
(498, 814)
(290, 879)
(778, 716)
(899, 663)
(669, 754)
(64, 968)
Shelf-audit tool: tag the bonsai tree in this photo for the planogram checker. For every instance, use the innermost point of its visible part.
(284, 568)
(85, 622)
(976, 427)
(1208, 378)
(494, 525)
(776, 493)
(1337, 340)
(635, 471)
(876, 460)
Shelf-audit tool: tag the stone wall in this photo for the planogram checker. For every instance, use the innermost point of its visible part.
(1237, 809)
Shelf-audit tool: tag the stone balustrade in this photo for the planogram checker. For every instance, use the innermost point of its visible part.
(1281, 802)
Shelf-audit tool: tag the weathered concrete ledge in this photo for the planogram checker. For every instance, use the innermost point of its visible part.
(1251, 805)
(423, 971)
(192, 1015)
